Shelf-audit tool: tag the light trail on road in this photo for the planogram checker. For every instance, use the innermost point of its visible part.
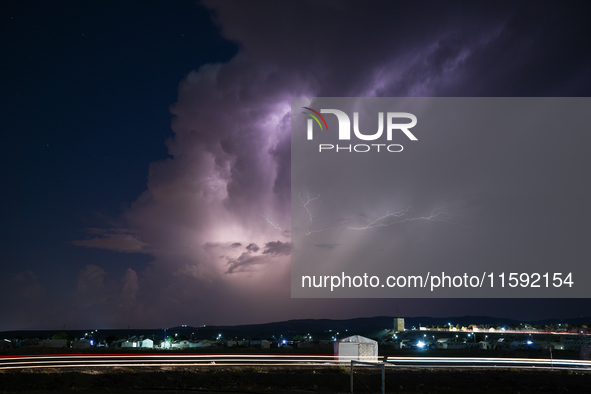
(160, 360)
(272, 360)
(486, 362)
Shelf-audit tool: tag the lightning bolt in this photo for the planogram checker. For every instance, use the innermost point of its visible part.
(266, 217)
(390, 219)
(306, 203)
(308, 231)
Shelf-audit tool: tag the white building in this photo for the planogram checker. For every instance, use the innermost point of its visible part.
(146, 343)
(356, 347)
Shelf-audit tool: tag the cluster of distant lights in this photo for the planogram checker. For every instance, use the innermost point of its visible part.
(422, 344)
(91, 340)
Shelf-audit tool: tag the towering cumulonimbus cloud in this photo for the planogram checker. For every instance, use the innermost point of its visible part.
(216, 214)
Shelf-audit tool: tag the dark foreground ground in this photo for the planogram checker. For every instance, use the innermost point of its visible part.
(293, 380)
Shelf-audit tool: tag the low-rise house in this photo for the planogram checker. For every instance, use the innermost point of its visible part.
(127, 343)
(233, 343)
(81, 344)
(255, 343)
(456, 345)
(398, 345)
(485, 345)
(181, 344)
(59, 343)
(33, 343)
(556, 345)
(442, 343)
(500, 344)
(146, 343)
(305, 345)
(515, 345)
(203, 343)
(576, 344)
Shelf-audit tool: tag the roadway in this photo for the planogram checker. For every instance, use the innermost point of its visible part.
(272, 360)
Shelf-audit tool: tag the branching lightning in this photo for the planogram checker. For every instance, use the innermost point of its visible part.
(307, 202)
(390, 219)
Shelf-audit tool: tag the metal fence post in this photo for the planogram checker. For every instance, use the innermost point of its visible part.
(383, 378)
(351, 376)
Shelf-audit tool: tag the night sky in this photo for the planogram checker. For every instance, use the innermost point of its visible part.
(145, 144)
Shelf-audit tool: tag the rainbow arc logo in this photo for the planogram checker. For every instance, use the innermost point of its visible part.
(316, 118)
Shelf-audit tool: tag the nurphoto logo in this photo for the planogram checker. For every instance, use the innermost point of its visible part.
(345, 130)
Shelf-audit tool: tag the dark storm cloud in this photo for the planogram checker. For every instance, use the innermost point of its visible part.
(117, 239)
(246, 262)
(227, 181)
(249, 261)
(277, 248)
(419, 48)
(252, 247)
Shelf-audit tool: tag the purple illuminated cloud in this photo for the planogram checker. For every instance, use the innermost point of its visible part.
(227, 183)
